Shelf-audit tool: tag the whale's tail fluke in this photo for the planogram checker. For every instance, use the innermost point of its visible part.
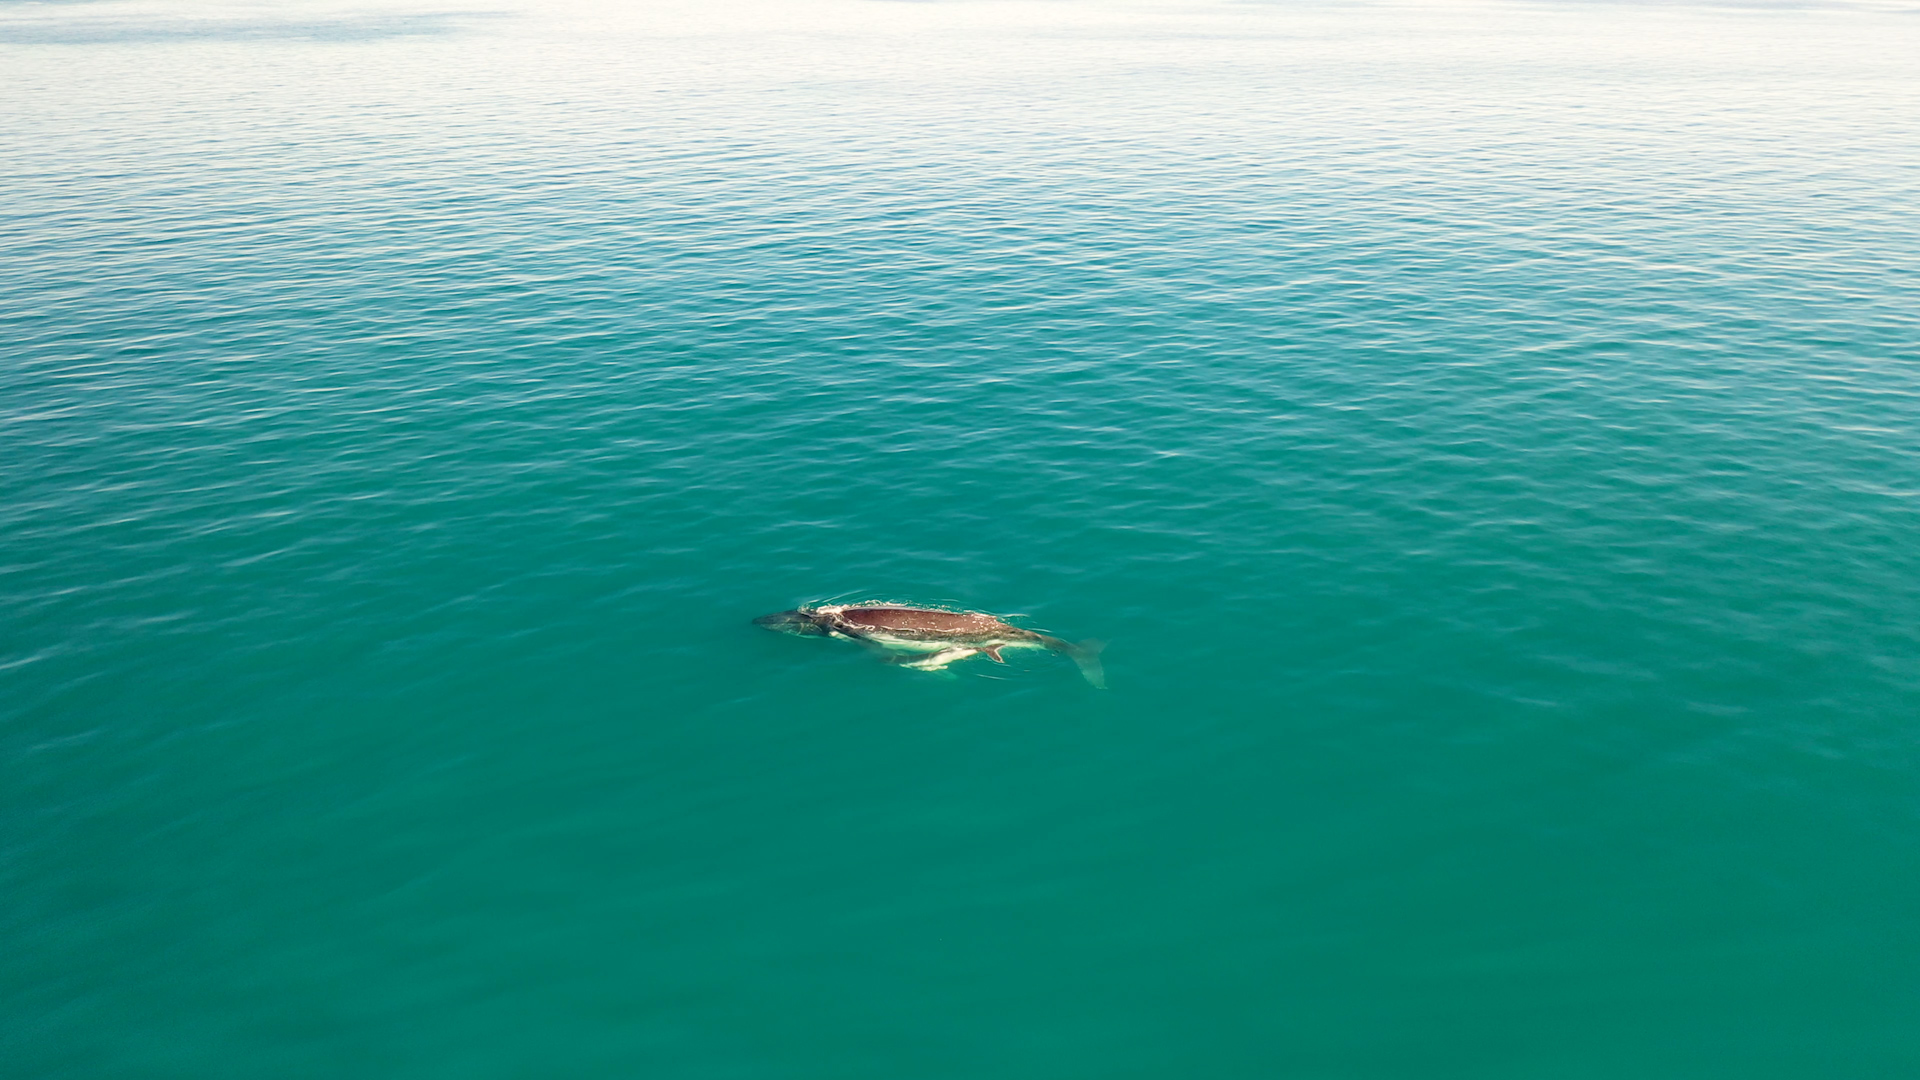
(1087, 655)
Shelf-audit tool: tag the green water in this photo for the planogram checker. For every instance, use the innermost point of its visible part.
(1488, 438)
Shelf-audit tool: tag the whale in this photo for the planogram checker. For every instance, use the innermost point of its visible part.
(929, 639)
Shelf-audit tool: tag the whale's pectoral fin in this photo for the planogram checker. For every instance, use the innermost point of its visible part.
(940, 659)
(898, 659)
(993, 653)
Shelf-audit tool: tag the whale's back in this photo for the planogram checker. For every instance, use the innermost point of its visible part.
(921, 620)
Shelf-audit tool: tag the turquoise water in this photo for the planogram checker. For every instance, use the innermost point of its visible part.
(1487, 438)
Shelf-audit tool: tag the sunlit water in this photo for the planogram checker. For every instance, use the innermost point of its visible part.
(1489, 439)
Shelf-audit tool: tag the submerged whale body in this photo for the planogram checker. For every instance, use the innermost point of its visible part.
(929, 638)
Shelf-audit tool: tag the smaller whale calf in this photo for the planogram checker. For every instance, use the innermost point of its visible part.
(929, 638)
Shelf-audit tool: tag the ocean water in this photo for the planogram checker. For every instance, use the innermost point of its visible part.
(1488, 438)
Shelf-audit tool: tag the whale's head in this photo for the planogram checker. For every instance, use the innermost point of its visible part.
(792, 622)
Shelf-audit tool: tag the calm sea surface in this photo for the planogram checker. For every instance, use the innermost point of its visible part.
(1488, 437)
